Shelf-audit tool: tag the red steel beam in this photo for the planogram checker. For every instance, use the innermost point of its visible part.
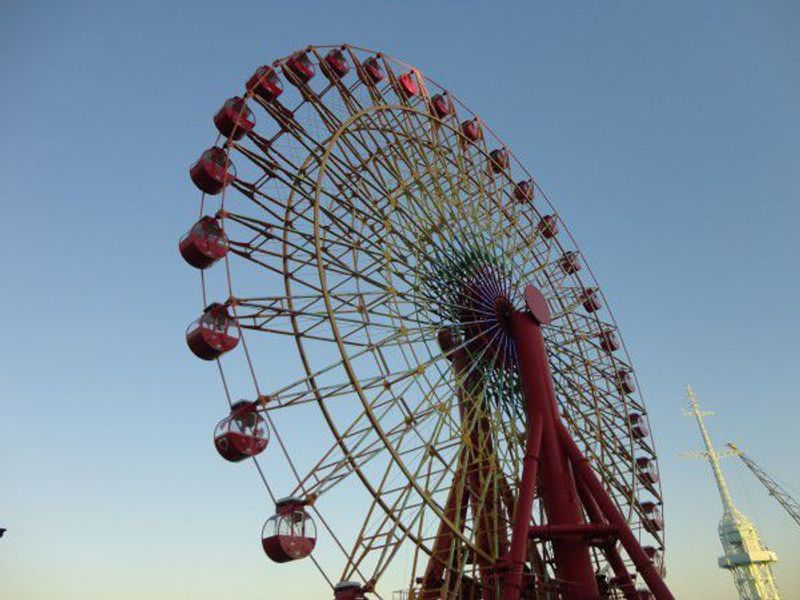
(623, 579)
(640, 559)
(584, 530)
(557, 486)
(512, 586)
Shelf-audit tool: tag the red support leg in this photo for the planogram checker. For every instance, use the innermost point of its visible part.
(439, 560)
(643, 563)
(489, 522)
(623, 578)
(522, 515)
(558, 492)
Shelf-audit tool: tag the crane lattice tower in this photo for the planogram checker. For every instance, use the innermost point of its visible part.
(744, 554)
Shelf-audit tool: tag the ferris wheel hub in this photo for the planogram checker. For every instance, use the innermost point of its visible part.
(537, 305)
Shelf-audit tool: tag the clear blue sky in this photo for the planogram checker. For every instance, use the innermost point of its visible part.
(666, 134)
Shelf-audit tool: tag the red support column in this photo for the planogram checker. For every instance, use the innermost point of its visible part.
(454, 511)
(643, 563)
(624, 579)
(557, 486)
(512, 585)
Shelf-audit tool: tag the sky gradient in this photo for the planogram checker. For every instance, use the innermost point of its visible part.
(667, 137)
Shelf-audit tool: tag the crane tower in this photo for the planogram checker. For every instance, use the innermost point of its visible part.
(789, 504)
(744, 554)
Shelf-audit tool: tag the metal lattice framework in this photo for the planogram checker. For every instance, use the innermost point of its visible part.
(775, 489)
(371, 232)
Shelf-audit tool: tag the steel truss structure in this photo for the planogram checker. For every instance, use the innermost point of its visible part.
(776, 490)
(483, 425)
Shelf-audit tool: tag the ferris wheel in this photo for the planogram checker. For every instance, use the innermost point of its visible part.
(416, 356)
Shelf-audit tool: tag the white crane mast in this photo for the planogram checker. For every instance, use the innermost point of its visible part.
(744, 554)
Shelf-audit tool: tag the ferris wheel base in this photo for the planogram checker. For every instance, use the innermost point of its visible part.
(568, 487)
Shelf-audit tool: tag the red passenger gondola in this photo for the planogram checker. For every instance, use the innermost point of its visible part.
(441, 106)
(301, 67)
(408, 84)
(204, 244)
(213, 334)
(290, 534)
(639, 427)
(590, 300)
(235, 118)
(624, 381)
(472, 130)
(570, 262)
(523, 191)
(348, 590)
(335, 64)
(373, 71)
(648, 470)
(265, 84)
(548, 226)
(652, 521)
(499, 160)
(657, 558)
(241, 434)
(212, 171)
(609, 341)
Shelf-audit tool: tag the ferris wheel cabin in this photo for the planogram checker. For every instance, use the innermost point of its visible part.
(648, 470)
(570, 262)
(441, 106)
(348, 590)
(499, 160)
(300, 68)
(290, 534)
(242, 434)
(523, 191)
(265, 84)
(235, 118)
(653, 521)
(609, 341)
(335, 65)
(624, 381)
(408, 85)
(548, 227)
(213, 171)
(639, 427)
(213, 334)
(372, 71)
(657, 558)
(204, 244)
(590, 300)
(472, 130)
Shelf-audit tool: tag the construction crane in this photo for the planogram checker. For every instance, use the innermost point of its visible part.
(744, 554)
(775, 490)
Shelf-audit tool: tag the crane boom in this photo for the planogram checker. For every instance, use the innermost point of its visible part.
(773, 487)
